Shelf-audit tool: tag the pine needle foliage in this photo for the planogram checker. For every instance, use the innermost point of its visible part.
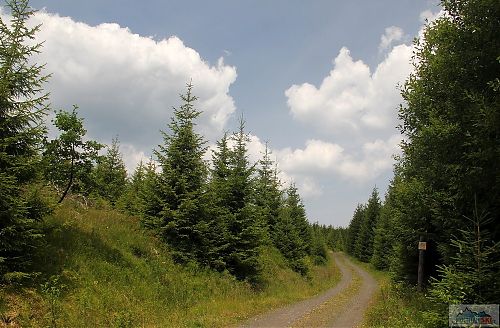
(23, 107)
(110, 174)
(244, 226)
(268, 193)
(182, 182)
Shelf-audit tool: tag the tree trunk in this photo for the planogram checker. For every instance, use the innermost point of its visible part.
(71, 174)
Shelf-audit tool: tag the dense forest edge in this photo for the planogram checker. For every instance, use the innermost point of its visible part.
(186, 241)
(446, 185)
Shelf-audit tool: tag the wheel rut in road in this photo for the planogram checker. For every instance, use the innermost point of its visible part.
(341, 306)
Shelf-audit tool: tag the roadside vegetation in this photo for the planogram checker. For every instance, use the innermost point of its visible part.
(445, 189)
(395, 304)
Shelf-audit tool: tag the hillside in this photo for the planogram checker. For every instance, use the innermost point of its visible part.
(100, 269)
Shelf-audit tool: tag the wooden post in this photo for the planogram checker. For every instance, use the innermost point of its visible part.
(422, 246)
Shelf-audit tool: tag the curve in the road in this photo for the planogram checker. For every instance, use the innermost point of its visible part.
(354, 310)
(303, 313)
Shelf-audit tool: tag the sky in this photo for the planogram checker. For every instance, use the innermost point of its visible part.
(318, 80)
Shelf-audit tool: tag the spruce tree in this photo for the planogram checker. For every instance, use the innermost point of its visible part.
(110, 174)
(183, 182)
(150, 202)
(363, 248)
(130, 199)
(383, 241)
(472, 275)
(244, 227)
(292, 233)
(354, 228)
(220, 173)
(289, 242)
(218, 209)
(268, 196)
(299, 218)
(337, 238)
(23, 106)
(319, 251)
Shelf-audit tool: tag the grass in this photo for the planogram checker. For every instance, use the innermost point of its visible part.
(100, 269)
(398, 305)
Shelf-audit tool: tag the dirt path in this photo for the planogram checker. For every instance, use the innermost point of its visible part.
(341, 306)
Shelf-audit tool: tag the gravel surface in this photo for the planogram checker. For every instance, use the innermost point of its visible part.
(349, 315)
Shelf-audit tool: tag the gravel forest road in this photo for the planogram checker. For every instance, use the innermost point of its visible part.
(341, 306)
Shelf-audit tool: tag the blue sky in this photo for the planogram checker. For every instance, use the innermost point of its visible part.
(317, 79)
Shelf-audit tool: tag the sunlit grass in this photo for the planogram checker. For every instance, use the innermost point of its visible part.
(100, 269)
(396, 305)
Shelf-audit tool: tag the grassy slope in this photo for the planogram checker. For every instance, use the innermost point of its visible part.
(100, 269)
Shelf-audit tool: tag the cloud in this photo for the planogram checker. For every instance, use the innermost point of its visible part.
(132, 156)
(321, 158)
(354, 101)
(316, 156)
(391, 35)
(376, 158)
(428, 16)
(126, 84)
(256, 149)
(308, 187)
(355, 107)
(320, 161)
(351, 100)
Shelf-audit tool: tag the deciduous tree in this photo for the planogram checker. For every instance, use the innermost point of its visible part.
(69, 158)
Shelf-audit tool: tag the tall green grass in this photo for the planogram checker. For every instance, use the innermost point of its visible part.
(397, 305)
(100, 269)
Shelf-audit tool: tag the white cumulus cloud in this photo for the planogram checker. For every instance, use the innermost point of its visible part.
(126, 84)
(319, 161)
(427, 16)
(392, 34)
(320, 158)
(351, 99)
(357, 108)
(316, 156)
